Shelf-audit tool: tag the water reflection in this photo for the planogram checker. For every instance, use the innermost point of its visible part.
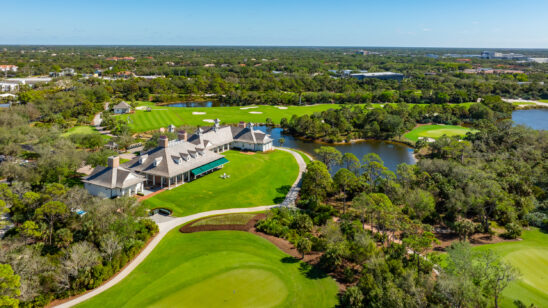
(196, 104)
(392, 154)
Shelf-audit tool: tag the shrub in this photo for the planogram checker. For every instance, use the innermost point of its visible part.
(513, 231)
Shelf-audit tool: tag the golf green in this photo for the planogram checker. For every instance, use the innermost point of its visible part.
(219, 269)
(255, 179)
(436, 131)
(530, 256)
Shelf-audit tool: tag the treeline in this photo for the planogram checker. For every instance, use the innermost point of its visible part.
(354, 122)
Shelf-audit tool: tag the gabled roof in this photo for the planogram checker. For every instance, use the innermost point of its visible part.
(122, 105)
(161, 161)
(113, 177)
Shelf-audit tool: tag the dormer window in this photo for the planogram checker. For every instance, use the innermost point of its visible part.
(157, 161)
(143, 158)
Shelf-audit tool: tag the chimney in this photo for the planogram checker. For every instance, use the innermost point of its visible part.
(114, 161)
(182, 135)
(242, 124)
(163, 141)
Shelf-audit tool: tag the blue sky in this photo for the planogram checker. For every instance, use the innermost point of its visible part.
(428, 23)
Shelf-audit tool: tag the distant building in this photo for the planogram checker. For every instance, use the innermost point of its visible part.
(120, 59)
(125, 74)
(362, 52)
(9, 86)
(502, 56)
(381, 75)
(63, 72)
(539, 60)
(113, 181)
(8, 68)
(122, 108)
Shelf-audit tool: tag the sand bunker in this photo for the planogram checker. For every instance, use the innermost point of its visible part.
(209, 120)
(250, 107)
(141, 108)
(198, 112)
(255, 112)
(281, 107)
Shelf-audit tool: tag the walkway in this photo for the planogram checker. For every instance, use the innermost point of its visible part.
(167, 224)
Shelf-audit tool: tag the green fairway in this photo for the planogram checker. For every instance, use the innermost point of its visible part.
(258, 179)
(436, 131)
(219, 269)
(530, 256)
(162, 116)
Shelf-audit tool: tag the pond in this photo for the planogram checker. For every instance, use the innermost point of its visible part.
(196, 104)
(392, 154)
(534, 118)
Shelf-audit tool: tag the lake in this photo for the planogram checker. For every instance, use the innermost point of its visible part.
(392, 154)
(196, 104)
(534, 118)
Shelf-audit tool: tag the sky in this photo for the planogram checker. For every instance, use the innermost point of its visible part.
(389, 23)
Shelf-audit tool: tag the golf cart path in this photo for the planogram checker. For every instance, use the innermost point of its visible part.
(167, 224)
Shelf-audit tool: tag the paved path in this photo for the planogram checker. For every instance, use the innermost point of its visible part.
(167, 224)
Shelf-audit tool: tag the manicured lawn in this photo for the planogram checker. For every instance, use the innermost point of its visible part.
(258, 179)
(80, 130)
(530, 256)
(219, 269)
(436, 131)
(543, 100)
(162, 116)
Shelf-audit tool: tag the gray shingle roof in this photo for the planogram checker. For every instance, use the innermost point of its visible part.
(113, 177)
(163, 161)
(122, 105)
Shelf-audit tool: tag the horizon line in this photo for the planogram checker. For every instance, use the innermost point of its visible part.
(264, 46)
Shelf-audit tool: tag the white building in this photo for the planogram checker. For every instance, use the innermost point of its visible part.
(8, 68)
(122, 108)
(113, 181)
(178, 161)
(6, 86)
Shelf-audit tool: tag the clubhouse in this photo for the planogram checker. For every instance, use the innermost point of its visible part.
(174, 162)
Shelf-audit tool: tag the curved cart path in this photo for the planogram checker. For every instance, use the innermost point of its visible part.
(167, 224)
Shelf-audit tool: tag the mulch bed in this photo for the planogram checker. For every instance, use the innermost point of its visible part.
(282, 244)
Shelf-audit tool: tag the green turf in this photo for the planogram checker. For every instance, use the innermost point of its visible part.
(530, 256)
(259, 179)
(543, 100)
(219, 269)
(436, 131)
(80, 130)
(162, 116)
(229, 219)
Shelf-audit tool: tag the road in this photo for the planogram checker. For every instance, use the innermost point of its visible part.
(167, 224)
